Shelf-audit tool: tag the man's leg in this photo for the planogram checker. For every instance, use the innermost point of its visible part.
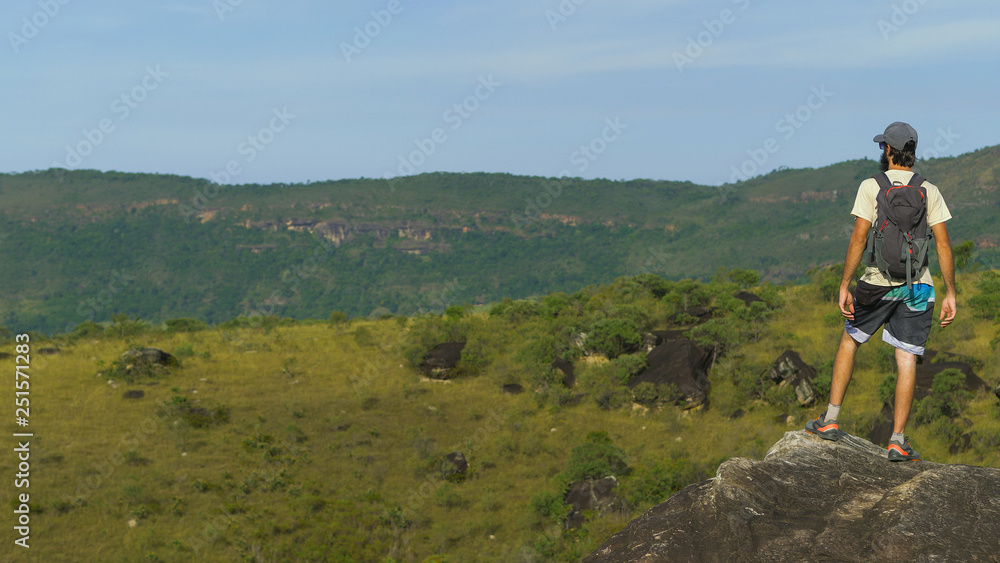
(906, 382)
(825, 426)
(843, 368)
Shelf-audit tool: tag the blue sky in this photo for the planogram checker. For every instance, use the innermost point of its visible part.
(305, 90)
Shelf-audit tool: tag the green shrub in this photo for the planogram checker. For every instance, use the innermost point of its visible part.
(946, 399)
(613, 337)
(595, 458)
(986, 303)
(962, 254)
(516, 311)
(653, 483)
(824, 378)
(649, 394)
(550, 505)
(88, 329)
(184, 351)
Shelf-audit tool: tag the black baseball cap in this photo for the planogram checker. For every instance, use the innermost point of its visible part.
(897, 134)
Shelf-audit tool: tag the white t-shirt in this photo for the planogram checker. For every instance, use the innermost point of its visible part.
(865, 208)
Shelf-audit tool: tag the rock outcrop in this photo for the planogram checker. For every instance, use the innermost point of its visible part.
(790, 369)
(564, 366)
(816, 500)
(151, 356)
(590, 494)
(441, 360)
(682, 363)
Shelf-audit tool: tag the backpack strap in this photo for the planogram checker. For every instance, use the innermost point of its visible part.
(872, 256)
(916, 180)
(883, 180)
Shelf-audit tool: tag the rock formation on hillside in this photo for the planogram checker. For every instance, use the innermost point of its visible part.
(816, 500)
(682, 363)
(790, 369)
(441, 360)
(590, 494)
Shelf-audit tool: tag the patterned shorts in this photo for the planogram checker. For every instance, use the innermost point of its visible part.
(907, 315)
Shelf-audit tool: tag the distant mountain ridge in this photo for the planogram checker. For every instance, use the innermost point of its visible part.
(198, 249)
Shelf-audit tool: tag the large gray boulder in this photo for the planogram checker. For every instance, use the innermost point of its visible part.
(816, 500)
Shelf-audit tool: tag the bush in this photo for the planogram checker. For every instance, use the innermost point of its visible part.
(685, 294)
(986, 304)
(88, 329)
(653, 483)
(605, 383)
(596, 458)
(828, 280)
(649, 394)
(824, 378)
(946, 399)
(184, 351)
(614, 337)
(649, 282)
(515, 311)
(550, 505)
(963, 253)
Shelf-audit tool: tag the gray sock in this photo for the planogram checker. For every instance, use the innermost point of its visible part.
(898, 437)
(832, 412)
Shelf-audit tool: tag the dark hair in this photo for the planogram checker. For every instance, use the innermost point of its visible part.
(905, 157)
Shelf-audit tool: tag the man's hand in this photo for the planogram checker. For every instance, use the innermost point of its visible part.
(847, 304)
(948, 309)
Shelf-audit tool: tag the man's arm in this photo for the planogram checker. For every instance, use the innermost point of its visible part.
(855, 248)
(947, 263)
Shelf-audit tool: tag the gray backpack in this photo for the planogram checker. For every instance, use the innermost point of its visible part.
(898, 241)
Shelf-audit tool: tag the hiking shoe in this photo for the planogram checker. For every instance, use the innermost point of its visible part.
(902, 452)
(827, 430)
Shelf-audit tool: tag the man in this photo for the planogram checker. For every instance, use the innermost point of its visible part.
(906, 312)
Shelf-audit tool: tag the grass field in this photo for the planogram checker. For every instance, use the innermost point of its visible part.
(319, 442)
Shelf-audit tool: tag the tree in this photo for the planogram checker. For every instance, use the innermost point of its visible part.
(962, 254)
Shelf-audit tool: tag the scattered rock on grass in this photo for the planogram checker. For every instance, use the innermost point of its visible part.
(440, 361)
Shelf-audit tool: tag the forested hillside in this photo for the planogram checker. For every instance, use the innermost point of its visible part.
(85, 245)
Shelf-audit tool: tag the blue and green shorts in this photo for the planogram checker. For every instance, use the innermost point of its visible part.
(906, 313)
